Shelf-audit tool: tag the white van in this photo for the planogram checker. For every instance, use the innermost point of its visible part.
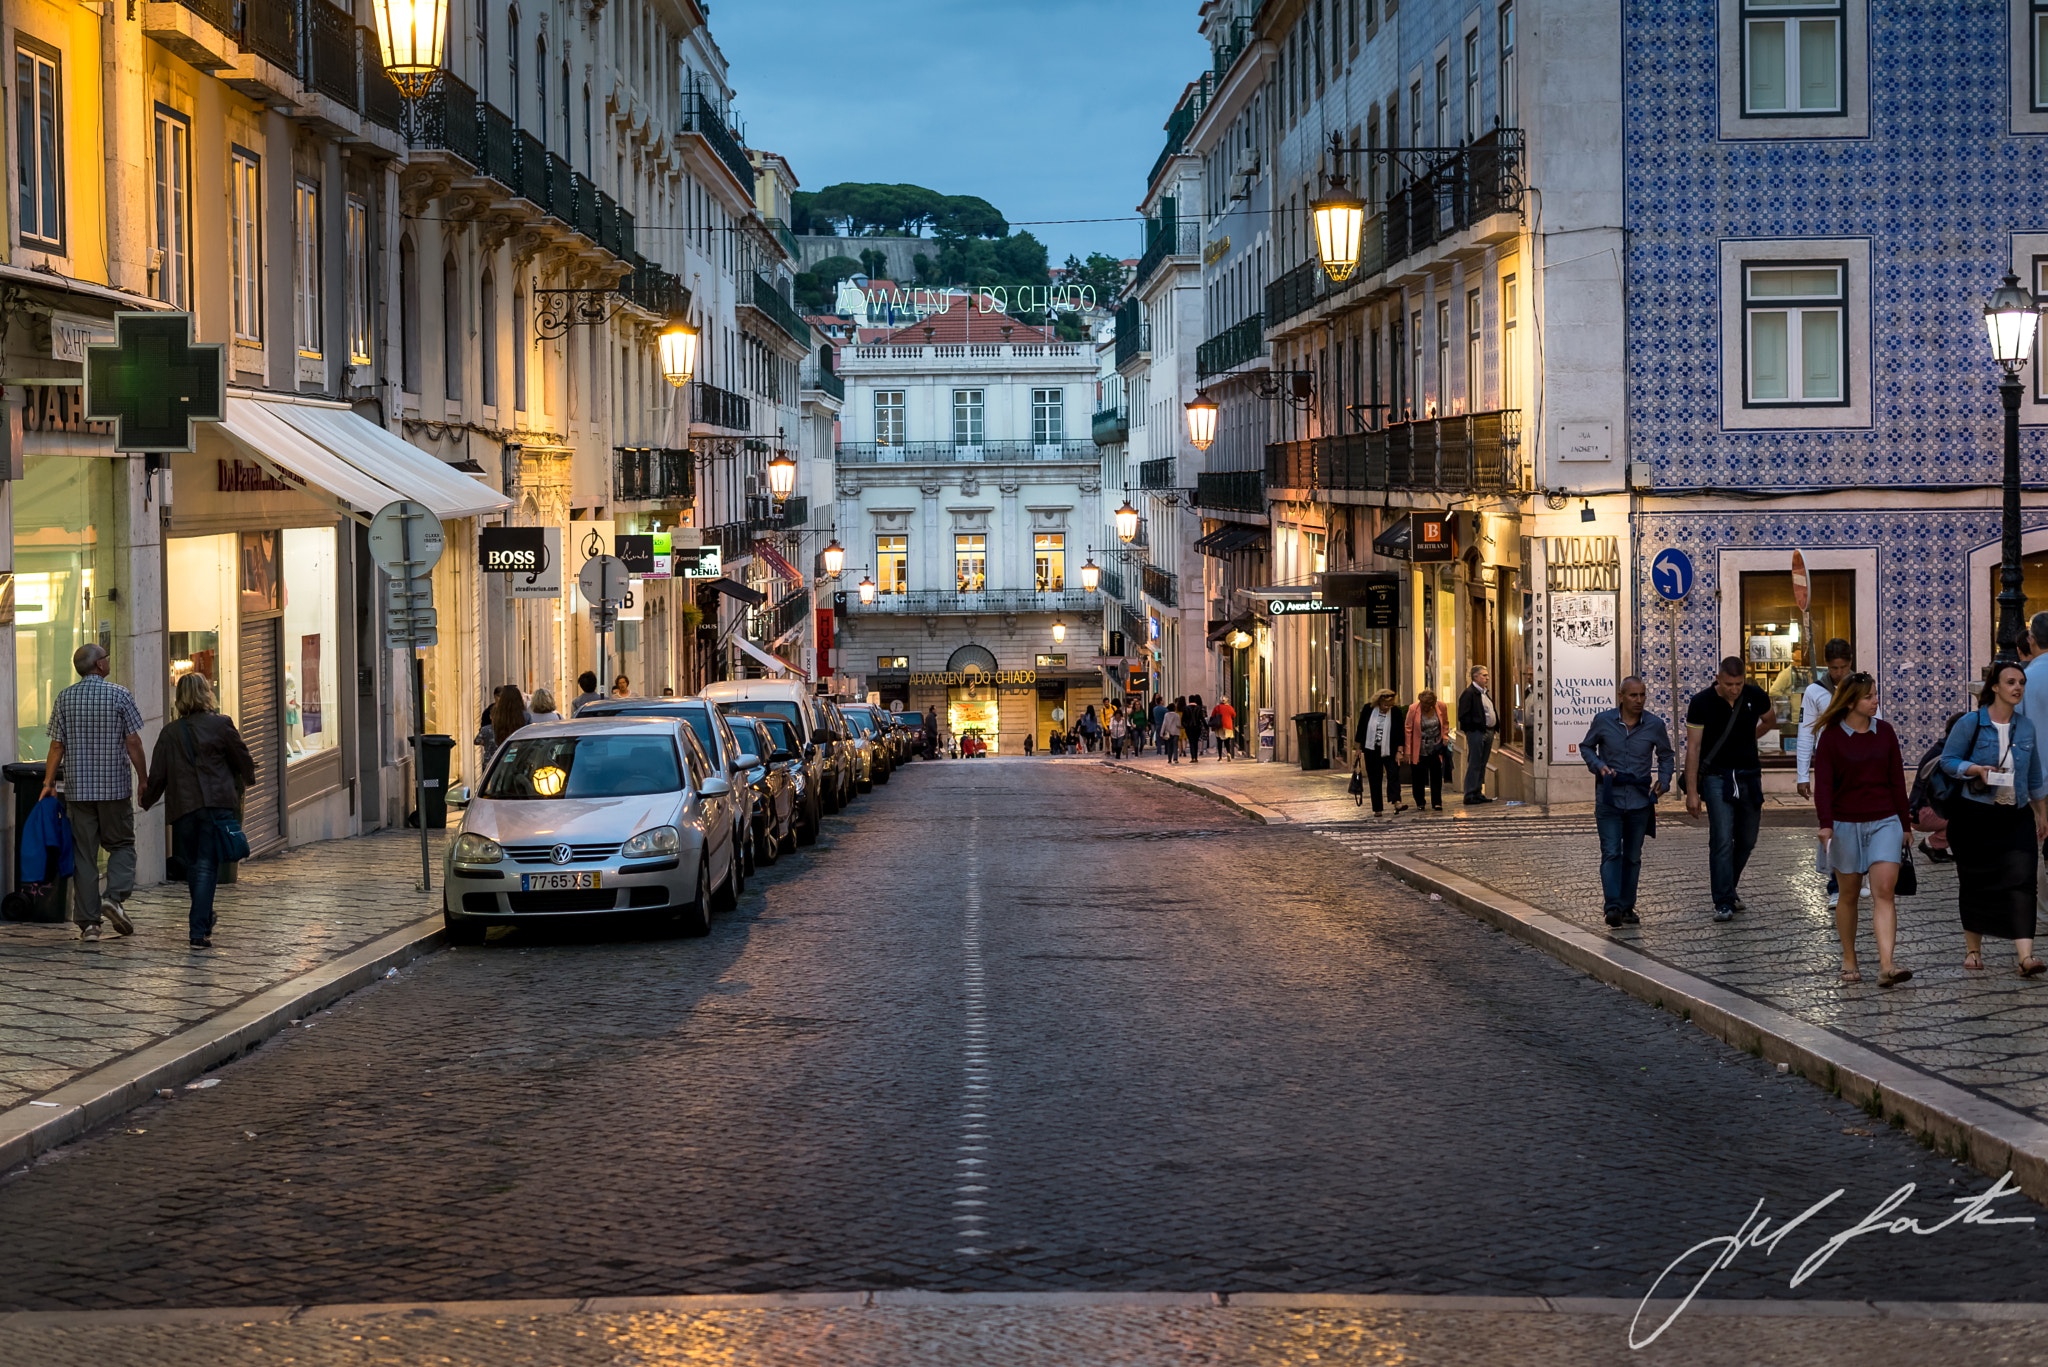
(792, 700)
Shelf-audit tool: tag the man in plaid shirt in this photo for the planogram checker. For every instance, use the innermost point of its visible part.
(95, 726)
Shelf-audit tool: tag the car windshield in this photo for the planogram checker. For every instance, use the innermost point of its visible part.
(860, 721)
(694, 713)
(560, 766)
(780, 707)
(781, 734)
(749, 740)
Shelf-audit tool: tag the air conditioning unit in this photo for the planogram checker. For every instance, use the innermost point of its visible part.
(753, 486)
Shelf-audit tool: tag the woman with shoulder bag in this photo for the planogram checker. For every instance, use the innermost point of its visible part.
(1429, 747)
(1859, 797)
(1997, 818)
(1380, 734)
(201, 767)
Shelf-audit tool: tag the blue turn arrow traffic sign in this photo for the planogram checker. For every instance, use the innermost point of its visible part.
(1671, 574)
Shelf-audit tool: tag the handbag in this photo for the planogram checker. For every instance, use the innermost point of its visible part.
(1944, 789)
(1734, 716)
(1357, 785)
(234, 842)
(1909, 876)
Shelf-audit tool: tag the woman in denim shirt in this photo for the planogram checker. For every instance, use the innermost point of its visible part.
(1996, 758)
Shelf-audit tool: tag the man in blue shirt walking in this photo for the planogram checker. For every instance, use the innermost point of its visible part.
(1629, 751)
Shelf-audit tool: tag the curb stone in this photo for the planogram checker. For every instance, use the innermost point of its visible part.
(106, 1092)
(1252, 811)
(1992, 1138)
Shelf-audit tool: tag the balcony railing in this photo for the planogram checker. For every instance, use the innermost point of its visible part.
(994, 602)
(874, 453)
(497, 146)
(1182, 122)
(817, 375)
(584, 210)
(1169, 237)
(793, 512)
(786, 238)
(1112, 425)
(561, 202)
(1156, 474)
(770, 301)
(1471, 451)
(722, 408)
(1242, 341)
(1305, 286)
(219, 13)
(444, 119)
(733, 539)
(331, 52)
(1112, 582)
(1242, 491)
(701, 116)
(270, 29)
(1162, 586)
(773, 623)
(651, 473)
(532, 182)
(1482, 179)
(382, 104)
(654, 289)
(1230, 46)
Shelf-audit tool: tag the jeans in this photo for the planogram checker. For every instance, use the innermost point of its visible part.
(1731, 834)
(1478, 745)
(1621, 852)
(1433, 768)
(1171, 744)
(198, 845)
(93, 825)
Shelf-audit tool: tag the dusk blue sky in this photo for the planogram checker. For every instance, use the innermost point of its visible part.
(1045, 108)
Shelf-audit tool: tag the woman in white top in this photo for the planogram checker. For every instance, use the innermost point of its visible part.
(541, 708)
(1379, 742)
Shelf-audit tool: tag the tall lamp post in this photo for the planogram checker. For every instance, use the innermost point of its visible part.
(2011, 319)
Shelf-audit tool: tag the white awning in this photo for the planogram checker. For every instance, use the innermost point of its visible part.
(393, 461)
(254, 427)
(773, 662)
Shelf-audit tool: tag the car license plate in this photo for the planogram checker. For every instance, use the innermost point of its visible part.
(557, 882)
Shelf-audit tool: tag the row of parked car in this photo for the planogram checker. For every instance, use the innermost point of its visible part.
(661, 807)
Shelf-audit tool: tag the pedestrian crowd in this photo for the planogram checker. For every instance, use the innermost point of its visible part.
(1417, 738)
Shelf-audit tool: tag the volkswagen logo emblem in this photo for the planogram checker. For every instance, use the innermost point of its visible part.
(560, 854)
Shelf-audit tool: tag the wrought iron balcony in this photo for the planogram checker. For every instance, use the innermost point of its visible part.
(817, 375)
(561, 202)
(1112, 425)
(1181, 123)
(1156, 474)
(1240, 342)
(993, 602)
(497, 146)
(1472, 451)
(331, 52)
(1305, 286)
(532, 182)
(1230, 46)
(1133, 338)
(773, 623)
(875, 453)
(702, 117)
(786, 238)
(767, 299)
(219, 13)
(654, 289)
(1165, 237)
(382, 104)
(722, 408)
(583, 207)
(444, 119)
(270, 29)
(1482, 179)
(652, 473)
(1112, 582)
(1162, 586)
(733, 539)
(1242, 491)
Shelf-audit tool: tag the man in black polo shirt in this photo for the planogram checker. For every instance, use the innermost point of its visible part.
(1723, 774)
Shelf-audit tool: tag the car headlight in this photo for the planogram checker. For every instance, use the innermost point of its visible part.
(660, 840)
(471, 848)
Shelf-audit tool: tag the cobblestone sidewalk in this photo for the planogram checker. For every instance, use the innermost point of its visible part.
(69, 1006)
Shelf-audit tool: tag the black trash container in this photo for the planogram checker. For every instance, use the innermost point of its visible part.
(1308, 739)
(435, 754)
(27, 780)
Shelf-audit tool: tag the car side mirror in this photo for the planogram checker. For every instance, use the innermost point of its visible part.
(740, 762)
(811, 751)
(780, 757)
(714, 787)
(823, 735)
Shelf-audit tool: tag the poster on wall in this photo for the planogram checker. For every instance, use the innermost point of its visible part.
(1584, 630)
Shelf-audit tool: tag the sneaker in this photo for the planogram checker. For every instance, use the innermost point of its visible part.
(1737, 905)
(114, 912)
(1629, 918)
(89, 930)
(1724, 913)
(1613, 916)
(1937, 856)
(1477, 801)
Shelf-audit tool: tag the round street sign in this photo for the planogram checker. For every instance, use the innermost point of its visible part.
(603, 580)
(388, 539)
(1671, 574)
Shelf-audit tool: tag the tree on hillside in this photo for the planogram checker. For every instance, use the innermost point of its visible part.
(1102, 271)
(817, 287)
(862, 209)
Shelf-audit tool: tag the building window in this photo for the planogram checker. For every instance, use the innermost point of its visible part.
(540, 86)
(1792, 57)
(245, 244)
(1472, 85)
(1506, 44)
(1793, 332)
(39, 148)
(451, 331)
(1049, 561)
(512, 47)
(356, 232)
(1510, 343)
(408, 316)
(1415, 386)
(2037, 48)
(967, 417)
(970, 563)
(306, 265)
(2041, 301)
(1442, 405)
(1048, 417)
(888, 417)
(173, 150)
(487, 340)
(892, 564)
(1777, 651)
(1474, 358)
(519, 352)
(1443, 102)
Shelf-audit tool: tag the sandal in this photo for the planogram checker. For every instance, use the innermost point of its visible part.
(2031, 967)
(1899, 975)
(1974, 962)
(1850, 975)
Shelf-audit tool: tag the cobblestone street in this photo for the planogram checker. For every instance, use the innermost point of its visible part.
(1010, 1027)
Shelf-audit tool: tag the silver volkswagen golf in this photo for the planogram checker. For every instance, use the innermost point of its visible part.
(615, 814)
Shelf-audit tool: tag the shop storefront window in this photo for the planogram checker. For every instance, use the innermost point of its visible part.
(311, 648)
(200, 614)
(1777, 648)
(63, 510)
(2033, 583)
(1513, 680)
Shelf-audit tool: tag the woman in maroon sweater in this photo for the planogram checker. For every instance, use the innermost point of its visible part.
(1859, 795)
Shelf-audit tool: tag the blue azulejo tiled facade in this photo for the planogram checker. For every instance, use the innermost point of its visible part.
(1893, 208)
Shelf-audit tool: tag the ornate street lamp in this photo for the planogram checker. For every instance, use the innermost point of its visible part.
(678, 352)
(2011, 319)
(1059, 632)
(1340, 221)
(1091, 574)
(1202, 420)
(835, 558)
(409, 37)
(1126, 521)
(867, 589)
(781, 475)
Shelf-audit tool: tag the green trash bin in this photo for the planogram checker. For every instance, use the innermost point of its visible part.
(435, 754)
(1308, 739)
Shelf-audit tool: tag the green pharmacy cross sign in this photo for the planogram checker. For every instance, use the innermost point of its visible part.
(155, 382)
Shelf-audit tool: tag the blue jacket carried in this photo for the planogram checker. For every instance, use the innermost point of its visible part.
(1975, 741)
(46, 842)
